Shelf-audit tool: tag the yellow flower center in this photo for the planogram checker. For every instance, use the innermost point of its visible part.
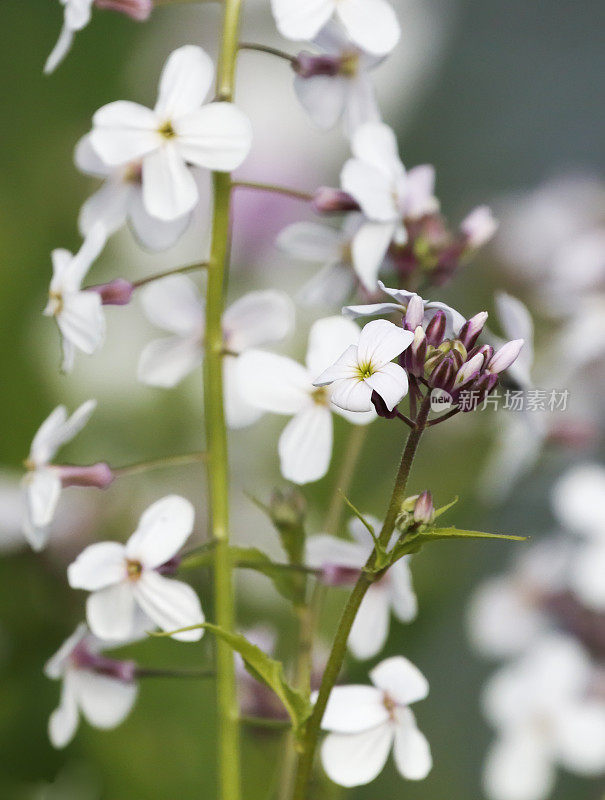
(56, 302)
(133, 569)
(320, 396)
(167, 131)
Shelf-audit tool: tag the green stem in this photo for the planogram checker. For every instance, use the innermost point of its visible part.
(274, 188)
(176, 271)
(339, 647)
(271, 51)
(144, 672)
(158, 463)
(266, 723)
(216, 434)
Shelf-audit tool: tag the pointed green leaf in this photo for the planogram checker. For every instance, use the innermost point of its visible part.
(288, 580)
(456, 533)
(443, 509)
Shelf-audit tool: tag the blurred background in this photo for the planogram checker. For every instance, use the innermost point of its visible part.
(502, 98)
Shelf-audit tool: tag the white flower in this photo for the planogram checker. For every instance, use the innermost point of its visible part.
(402, 298)
(545, 716)
(508, 612)
(103, 700)
(348, 95)
(283, 386)
(578, 502)
(124, 577)
(178, 132)
(174, 304)
(77, 15)
(120, 199)
(367, 367)
(393, 592)
(79, 314)
(43, 482)
(386, 193)
(372, 25)
(367, 721)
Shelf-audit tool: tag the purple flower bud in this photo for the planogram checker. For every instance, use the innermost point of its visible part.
(115, 293)
(136, 9)
(486, 350)
(332, 201)
(308, 65)
(83, 658)
(338, 575)
(470, 331)
(414, 314)
(98, 476)
(484, 384)
(435, 330)
(469, 371)
(444, 374)
(415, 355)
(505, 356)
(424, 510)
(170, 567)
(381, 407)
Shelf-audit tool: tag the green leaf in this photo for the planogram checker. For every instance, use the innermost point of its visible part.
(265, 669)
(443, 509)
(289, 582)
(456, 533)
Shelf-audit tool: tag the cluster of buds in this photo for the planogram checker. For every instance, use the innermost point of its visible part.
(456, 365)
(417, 510)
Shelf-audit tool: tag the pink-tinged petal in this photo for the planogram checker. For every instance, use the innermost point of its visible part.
(505, 356)
(108, 206)
(372, 309)
(99, 565)
(43, 489)
(323, 98)
(361, 105)
(169, 189)
(110, 612)
(324, 549)
(311, 242)
(152, 233)
(105, 702)
(166, 362)
(305, 445)
(162, 530)
(185, 81)
(87, 159)
(353, 709)
(401, 680)
(371, 627)
(454, 319)
(329, 338)
(371, 24)
(352, 394)
(56, 666)
(391, 383)
(369, 248)
(217, 137)
(519, 767)
(301, 21)
(274, 383)
(174, 304)
(371, 188)
(479, 226)
(380, 342)
(516, 322)
(375, 144)
(170, 604)
(419, 192)
(258, 318)
(469, 371)
(356, 759)
(411, 750)
(63, 722)
(124, 132)
(82, 321)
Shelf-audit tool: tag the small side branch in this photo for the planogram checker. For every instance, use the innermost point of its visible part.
(306, 197)
(272, 51)
(176, 271)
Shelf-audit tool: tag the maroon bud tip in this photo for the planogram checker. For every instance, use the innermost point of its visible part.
(170, 567)
(97, 476)
(308, 65)
(338, 575)
(332, 201)
(381, 407)
(435, 330)
(444, 374)
(115, 293)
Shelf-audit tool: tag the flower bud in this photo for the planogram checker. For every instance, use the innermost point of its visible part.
(435, 330)
(414, 314)
(469, 371)
(170, 567)
(115, 293)
(332, 201)
(486, 350)
(424, 510)
(444, 374)
(309, 65)
(98, 475)
(505, 356)
(470, 331)
(83, 658)
(338, 575)
(288, 509)
(479, 227)
(381, 407)
(136, 9)
(415, 355)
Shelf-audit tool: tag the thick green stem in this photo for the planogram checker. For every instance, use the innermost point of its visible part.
(339, 647)
(216, 434)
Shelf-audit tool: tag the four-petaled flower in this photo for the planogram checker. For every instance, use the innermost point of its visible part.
(43, 481)
(177, 133)
(365, 722)
(124, 577)
(281, 385)
(372, 25)
(79, 313)
(104, 700)
(367, 367)
(256, 319)
(393, 592)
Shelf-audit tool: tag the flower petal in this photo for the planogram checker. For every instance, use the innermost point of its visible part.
(274, 383)
(375, 144)
(43, 489)
(87, 159)
(165, 362)
(329, 338)
(369, 249)
(124, 132)
(170, 604)
(56, 665)
(98, 565)
(587, 573)
(48, 437)
(372, 189)
(169, 189)
(356, 759)
(401, 679)
(152, 233)
(305, 445)
(217, 137)
(239, 412)
(184, 83)
(381, 341)
(82, 321)
(323, 98)
(108, 206)
(401, 591)
(111, 612)
(371, 627)
(353, 709)
(371, 24)
(59, 51)
(372, 309)
(580, 737)
(310, 241)
(162, 530)
(345, 368)
(518, 767)
(258, 318)
(301, 21)
(411, 750)
(174, 304)
(63, 722)
(361, 105)
(324, 549)
(104, 701)
(352, 394)
(391, 383)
